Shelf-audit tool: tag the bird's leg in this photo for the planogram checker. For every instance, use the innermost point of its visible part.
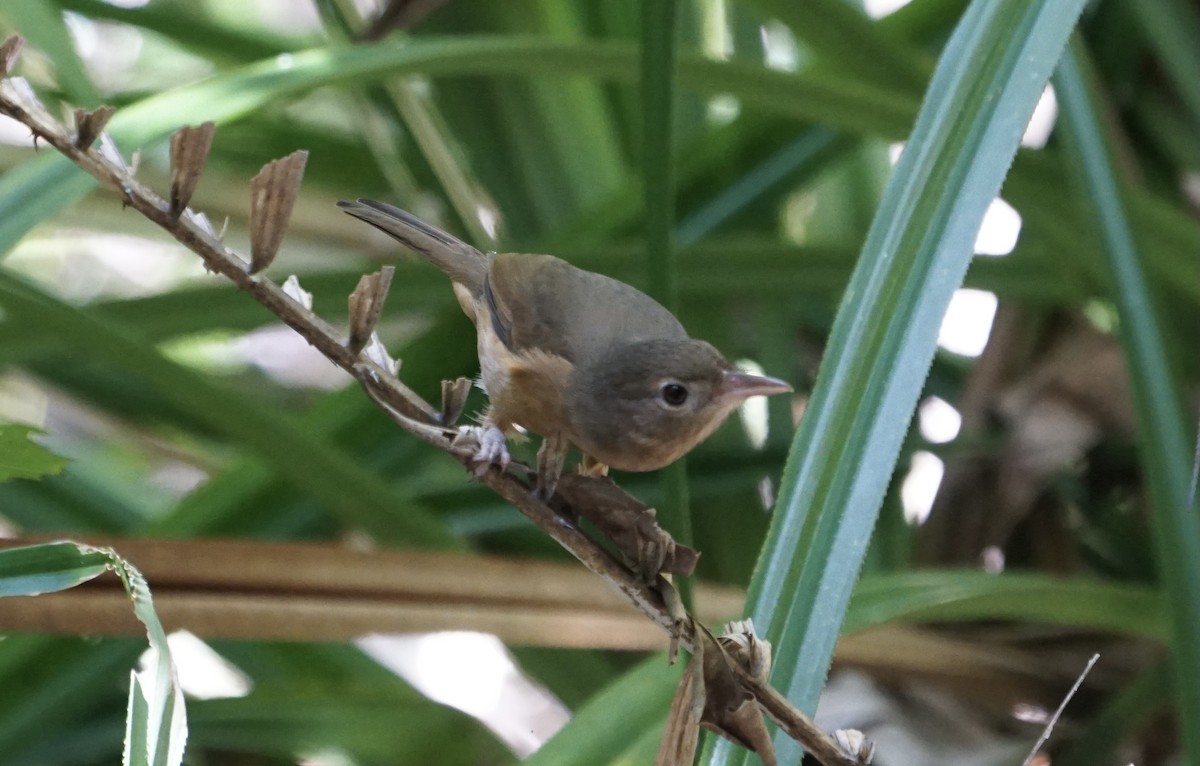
(550, 458)
(493, 447)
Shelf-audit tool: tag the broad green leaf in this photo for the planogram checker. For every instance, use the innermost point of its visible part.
(987, 82)
(21, 458)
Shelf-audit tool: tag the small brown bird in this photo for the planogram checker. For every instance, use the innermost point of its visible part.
(577, 358)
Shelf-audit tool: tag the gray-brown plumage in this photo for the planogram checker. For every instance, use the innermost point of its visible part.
(577, 357)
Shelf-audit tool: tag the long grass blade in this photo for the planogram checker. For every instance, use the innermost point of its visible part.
(658, 182)
(986, 85)
(1164, 441)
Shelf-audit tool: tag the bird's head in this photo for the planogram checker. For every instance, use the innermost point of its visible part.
(642, 405)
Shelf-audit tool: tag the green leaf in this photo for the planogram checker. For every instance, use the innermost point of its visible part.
(50, 567)
(42, 23)
(838, 32)
(1172, 27)
(1141, 701)
(319, 697)
(1164, 442)
(949, 595)
(22, 458)
(658, 182)
(987, 82)
(157, 726)
(604, 729)
(137, 749)
(39, 188)
(329, 474)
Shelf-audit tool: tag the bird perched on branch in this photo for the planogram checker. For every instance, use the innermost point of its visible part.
(577, 357)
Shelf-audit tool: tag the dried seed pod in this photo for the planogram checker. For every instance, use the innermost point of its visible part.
(366, 304)
(10, 50)
(711, 695)
(272, 195)
(454, 399)
(189, 152)
(855, 745)
(682, 732)
(89, 124)
(629, 524)
(747, 649)
(729, 709)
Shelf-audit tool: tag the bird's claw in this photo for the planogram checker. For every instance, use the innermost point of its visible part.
(491, 448)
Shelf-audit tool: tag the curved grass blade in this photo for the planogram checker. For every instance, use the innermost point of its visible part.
(1173, 29)
(1164, 443)
(658, 184)
(156, 729)
(36, 569)
(840, 33)
(986, 85)
(951, 595)
(604, 729)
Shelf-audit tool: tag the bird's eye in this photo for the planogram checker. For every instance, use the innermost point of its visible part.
(673, 394)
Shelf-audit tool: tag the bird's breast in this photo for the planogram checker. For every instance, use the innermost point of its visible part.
(525, 388)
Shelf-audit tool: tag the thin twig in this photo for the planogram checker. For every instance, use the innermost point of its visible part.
(407, 409)
(1057, 713)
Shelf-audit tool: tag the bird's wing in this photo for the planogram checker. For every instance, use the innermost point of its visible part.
(543, 302)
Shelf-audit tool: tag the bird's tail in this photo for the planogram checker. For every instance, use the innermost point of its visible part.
(462, 263)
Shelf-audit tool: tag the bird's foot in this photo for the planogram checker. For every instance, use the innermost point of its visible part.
(491, 448)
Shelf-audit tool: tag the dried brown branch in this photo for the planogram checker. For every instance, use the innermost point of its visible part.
(273, 193)
(89, 124)
(332, 592)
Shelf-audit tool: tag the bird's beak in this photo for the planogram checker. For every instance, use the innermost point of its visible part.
(737, 385)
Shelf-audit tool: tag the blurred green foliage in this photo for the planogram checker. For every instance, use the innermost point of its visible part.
(519, 125)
